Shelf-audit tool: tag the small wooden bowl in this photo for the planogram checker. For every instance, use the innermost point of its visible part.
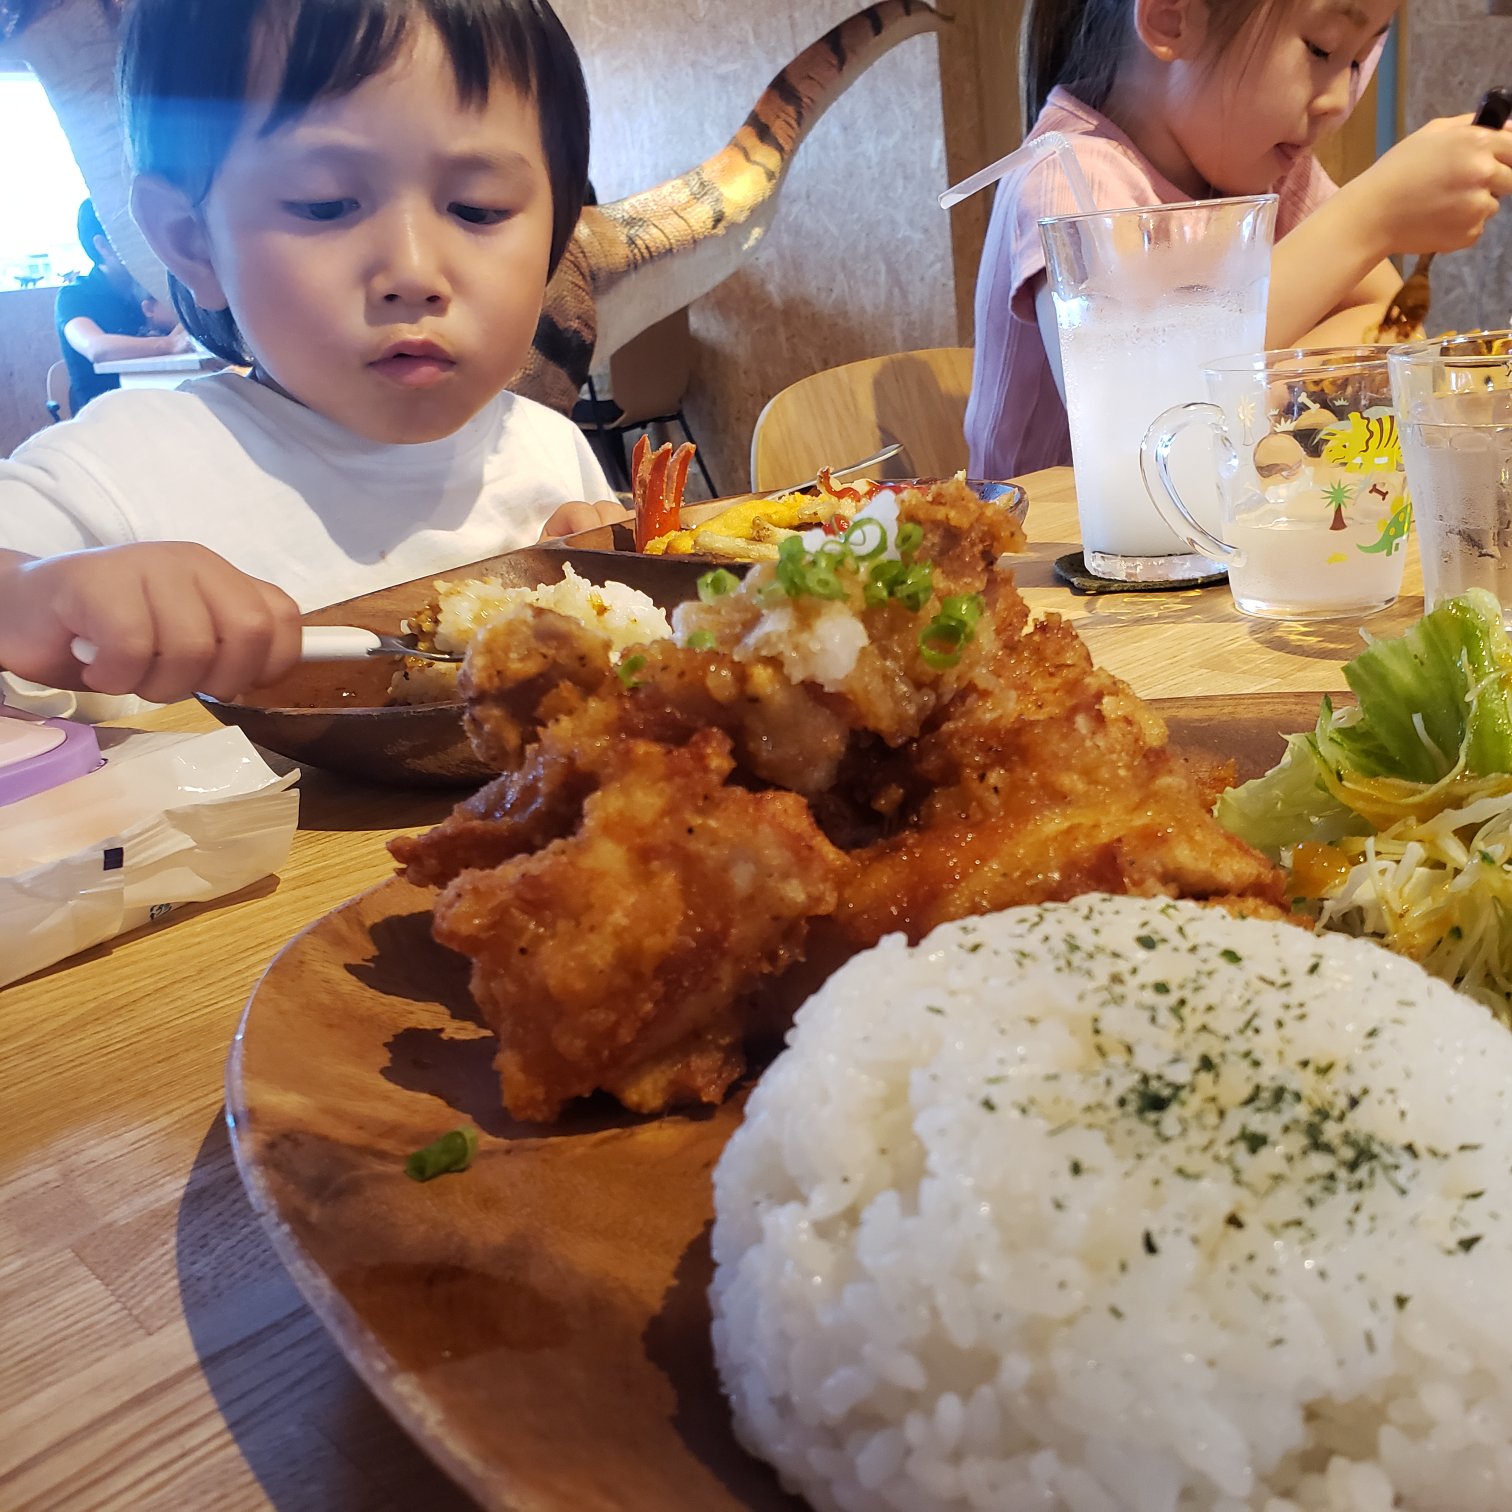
(334, 715)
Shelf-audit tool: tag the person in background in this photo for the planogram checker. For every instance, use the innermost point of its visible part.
(106, 317)
(1171, 100)
(362, 200)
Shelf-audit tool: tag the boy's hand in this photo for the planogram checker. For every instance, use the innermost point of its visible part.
(170, 619)
(1436, 189)
(571, 518)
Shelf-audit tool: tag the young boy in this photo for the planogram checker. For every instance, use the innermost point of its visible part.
(362, 200)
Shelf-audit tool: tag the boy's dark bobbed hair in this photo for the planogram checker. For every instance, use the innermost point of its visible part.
(184, 79)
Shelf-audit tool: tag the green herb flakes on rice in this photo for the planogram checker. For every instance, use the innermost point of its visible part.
(1126, 1204)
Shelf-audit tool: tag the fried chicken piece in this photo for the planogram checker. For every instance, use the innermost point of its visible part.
(787, 736)
(516, 813)
(1045, 779)
(674, 852)
(1145, 837)
(618, 957)
(523, 669)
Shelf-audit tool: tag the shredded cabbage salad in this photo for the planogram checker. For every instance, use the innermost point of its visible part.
(1394, 818)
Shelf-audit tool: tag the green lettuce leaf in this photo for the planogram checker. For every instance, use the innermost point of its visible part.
(1433, 700)
(1289, 804)
(1439, 692)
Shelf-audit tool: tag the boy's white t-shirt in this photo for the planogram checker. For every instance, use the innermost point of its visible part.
(287, 495)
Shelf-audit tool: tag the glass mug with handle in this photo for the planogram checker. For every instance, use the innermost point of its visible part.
(1314, 507)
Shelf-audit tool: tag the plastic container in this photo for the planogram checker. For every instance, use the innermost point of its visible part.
(37, 754)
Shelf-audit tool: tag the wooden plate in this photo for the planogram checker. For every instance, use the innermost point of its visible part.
(539, 1323)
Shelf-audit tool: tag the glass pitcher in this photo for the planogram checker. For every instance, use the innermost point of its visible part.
(1143, 298)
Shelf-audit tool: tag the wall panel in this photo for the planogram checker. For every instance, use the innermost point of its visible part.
(859, 261)
(1454, 51)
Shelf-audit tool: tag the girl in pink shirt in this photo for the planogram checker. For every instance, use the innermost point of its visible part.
(1171, 100)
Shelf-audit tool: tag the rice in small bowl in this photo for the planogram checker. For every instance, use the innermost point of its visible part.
(461, 607)
(1125, 1204)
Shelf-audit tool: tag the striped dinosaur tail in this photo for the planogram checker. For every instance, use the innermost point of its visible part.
(636, 261)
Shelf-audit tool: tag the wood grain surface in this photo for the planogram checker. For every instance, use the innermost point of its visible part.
(153, 1351)
(539, 1322)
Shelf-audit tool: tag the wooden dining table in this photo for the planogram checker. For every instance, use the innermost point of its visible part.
(153, 1352)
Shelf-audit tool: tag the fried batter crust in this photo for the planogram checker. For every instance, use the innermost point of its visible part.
(670, 854)
(617, 957)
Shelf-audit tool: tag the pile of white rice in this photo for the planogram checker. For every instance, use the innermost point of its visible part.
(1126, 1204)
(626, 616)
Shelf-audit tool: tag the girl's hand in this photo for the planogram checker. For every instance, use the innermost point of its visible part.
(169, 619)
(568, 519)
(1436, 189)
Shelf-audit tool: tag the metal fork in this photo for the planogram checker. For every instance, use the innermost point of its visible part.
(836, 472)
(348, 643)
(322, 643)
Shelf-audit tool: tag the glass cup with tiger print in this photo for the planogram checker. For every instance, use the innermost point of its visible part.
(1314, 505)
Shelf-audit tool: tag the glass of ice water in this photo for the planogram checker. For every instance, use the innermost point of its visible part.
(1454, 398)
(1315, 511)
(1143, 298)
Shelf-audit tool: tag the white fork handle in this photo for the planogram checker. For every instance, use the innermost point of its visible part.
(337, 643)
(316, 643)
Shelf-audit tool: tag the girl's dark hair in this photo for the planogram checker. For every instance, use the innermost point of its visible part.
(185, 79)
(1079, 45)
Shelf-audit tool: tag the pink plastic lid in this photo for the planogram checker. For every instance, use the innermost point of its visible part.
(37, 754)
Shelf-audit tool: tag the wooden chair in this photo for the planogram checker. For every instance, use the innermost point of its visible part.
(846, 413)
(648, 378)
(58, 405)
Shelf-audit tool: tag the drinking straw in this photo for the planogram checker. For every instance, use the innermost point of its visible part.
(1049, 141)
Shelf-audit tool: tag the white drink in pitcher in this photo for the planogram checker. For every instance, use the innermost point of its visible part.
(1119, 387)
(1144, 297)
(1314, 509)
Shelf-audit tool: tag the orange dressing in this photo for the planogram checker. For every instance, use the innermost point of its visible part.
(1317, 869)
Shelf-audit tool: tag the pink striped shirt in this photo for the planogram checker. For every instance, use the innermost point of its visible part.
(1015, 421)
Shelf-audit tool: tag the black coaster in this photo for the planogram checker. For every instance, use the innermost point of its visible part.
(1072, 569)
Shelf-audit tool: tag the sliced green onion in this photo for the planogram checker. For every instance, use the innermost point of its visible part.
(910, 538)
(714, 585)
(881, 579)
(916, 587)
(815, 574)
(941, 645)
(792, 564)
(628, 668)
(943, 639)
(867, 538)
(452, 1152)
(821, 572)
(701, 640)
(823, 579)
(965, 607)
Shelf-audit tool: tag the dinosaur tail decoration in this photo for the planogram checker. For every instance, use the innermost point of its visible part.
(628, 265)
(636, 261)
